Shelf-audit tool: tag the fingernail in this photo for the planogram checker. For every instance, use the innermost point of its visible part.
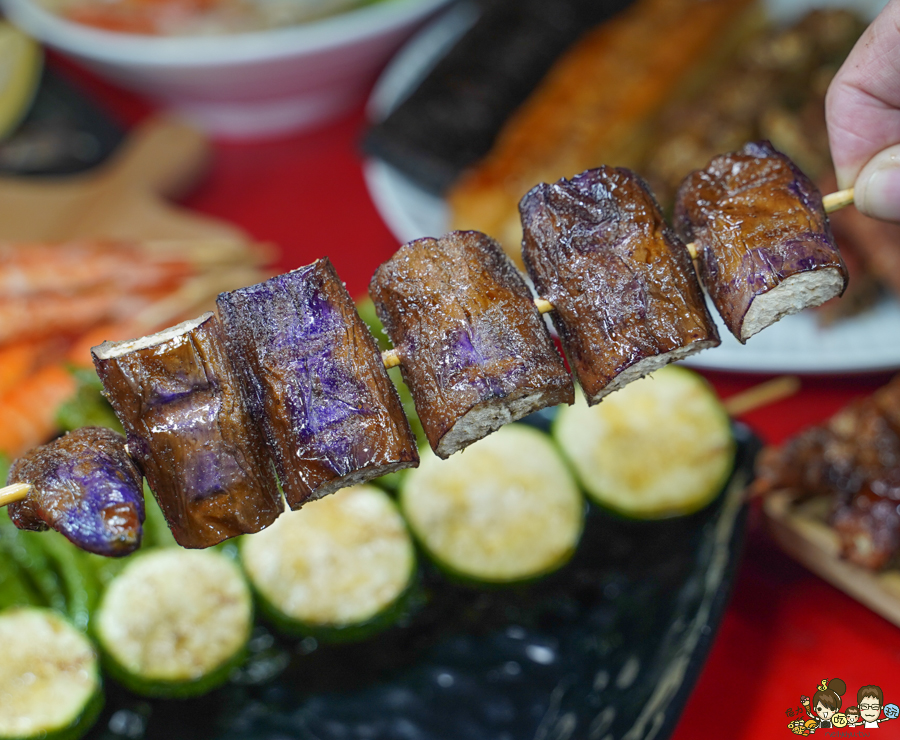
(878, 189)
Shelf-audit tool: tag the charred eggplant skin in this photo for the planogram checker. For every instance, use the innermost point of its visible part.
(315, 382)
(85, 486)
(468, 334)
(622, 284)
(178, 398)
(756, 220)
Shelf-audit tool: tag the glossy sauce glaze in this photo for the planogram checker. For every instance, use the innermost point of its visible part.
(756, 220)
(854, 460)
(177, 396)
(85, 486)
(474, 351)
(315, 382)
(625, 294)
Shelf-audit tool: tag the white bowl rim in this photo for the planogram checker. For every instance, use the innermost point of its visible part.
(116, 48)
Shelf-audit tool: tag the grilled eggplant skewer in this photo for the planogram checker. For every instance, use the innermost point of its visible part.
(765, 249)
(316, 383)
(468, 336)
(473, 348)
(625, 295)
(85, 486)
(176, 394)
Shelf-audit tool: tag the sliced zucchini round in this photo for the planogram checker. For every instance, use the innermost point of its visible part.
(175, 622)
(505, 510)
(661, 446)
(336, 569)
(49, 677)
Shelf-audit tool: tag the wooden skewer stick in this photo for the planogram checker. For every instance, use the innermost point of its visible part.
(391, 358)
(13, 493)
(837, 200)
(780, 387)
(542, 305)
(832, 202)
(761, 395)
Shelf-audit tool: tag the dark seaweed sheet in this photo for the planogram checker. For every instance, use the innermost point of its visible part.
(613, 643)
(451, 119)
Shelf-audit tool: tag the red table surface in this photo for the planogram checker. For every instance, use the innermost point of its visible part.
(784, 631)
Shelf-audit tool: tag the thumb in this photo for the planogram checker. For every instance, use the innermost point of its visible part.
(877, 188)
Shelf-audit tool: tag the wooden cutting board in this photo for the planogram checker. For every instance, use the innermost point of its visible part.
(801, 530)
(126, 197)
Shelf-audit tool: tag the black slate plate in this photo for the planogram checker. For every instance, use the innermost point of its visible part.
(608, 647)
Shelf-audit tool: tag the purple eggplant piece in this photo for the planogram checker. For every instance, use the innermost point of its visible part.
(85, 486)
(315, 383)
(625, 294)
(474, 350)
(765, 248)
(178, 397)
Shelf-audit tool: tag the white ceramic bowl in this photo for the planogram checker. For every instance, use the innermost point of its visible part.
(244, 85)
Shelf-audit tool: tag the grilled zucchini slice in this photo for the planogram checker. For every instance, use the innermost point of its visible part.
(661, 446)
(175, 622)
(49, 677)
(337, 569)
(506, 509)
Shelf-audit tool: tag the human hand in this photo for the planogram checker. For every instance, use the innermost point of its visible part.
(863, 115)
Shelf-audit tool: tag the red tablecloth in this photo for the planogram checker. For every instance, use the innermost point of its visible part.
(785, 630)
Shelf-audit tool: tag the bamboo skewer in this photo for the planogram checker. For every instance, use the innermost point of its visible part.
(837, 200)
(543, 305)
(831, 202)
(761, 395)
(390, 358)
(13, 493)
(737, 405)
(741, 403)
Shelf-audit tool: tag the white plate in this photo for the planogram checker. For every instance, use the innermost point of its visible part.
(796, 344)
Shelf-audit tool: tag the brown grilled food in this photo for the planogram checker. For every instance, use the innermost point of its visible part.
(626, 298)
(854, 459)
(765, 249)
(474, 351)
(177, 396)
(773, 88)
(315, 383)
(593, 106)
(85, 486)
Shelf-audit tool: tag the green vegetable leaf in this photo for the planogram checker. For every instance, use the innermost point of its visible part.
(88, 407)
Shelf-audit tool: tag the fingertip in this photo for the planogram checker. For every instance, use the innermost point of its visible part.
(877, 188)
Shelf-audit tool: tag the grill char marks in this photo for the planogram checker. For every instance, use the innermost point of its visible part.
(853, 458)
